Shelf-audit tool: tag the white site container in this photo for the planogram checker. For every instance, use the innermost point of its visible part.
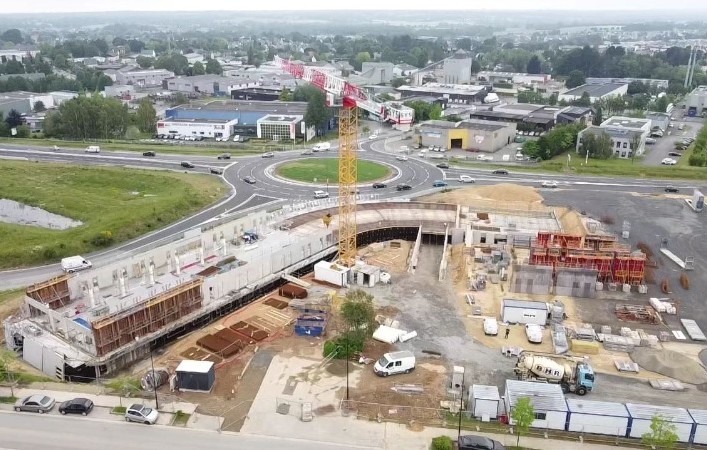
(589, 416)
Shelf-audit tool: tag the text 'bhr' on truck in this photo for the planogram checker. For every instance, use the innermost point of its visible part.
(573, 374)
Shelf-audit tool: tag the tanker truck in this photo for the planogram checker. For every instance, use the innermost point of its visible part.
(573, 374)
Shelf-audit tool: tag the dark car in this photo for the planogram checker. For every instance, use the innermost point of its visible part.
(674, 154)
(500, 172)
(472, 442)
(439, 183)
(150, 153)
(216, 170)
(79, 405)
(187, 165)
(224, 156)
(443, 165)
(403, 187)
(379, 185)
(672, 189)
(249, 180)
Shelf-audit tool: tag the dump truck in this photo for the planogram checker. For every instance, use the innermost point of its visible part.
(573, 374)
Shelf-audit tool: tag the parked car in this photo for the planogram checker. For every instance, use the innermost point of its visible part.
(500, 172)
(379, 185)
(216, 170)
(668, 162)
(403, 187)
(549, 184)
(249, 180)
(439, 183)
(534, 333)
(187, 165)
(150, 153)
(443, 165)
(79, 405)
(394, 363)
(35, 403)
(224, 156)
(471, 442)
(675, 154)
(490, 326)
(268, 155)
(466, 179)
(401, 158)
(651, 141)
(321, 194)
(141, 413)
(671, 189)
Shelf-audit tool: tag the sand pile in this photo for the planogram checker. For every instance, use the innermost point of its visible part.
(671, 364)
(503, 195)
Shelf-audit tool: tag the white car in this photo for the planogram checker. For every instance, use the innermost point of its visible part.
(668, 162)
(466, 179)
(651, 141)
(481, 158)
(549, 184)
(490, 326)
(534, 333)
(402, 158)
(373, 136)
(321, 194)
(306, 152)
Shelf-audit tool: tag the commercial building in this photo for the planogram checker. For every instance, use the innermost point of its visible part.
(575, 114)
(18, 54)
(457, 68)
(658, 119)
(246, 113)
(658, 84)
(275, 127)
(624, 133)
(143, 78)
(513, 77)
(375, 73)
(478, 135)
(455, 93)
(696, 102)
(534, 117)
(202, 84)
(23, 102)
(259, 93)
(207, 128)
(595, 91)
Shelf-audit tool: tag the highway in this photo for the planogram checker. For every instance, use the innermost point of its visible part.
(270, 190)
(34, 431)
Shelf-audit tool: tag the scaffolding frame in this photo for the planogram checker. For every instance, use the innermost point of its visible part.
(53, 292)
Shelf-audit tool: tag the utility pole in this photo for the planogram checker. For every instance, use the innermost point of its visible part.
(461, 409)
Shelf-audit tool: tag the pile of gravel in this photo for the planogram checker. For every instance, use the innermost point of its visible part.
(671, 364)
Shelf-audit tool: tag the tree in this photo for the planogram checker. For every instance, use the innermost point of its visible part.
(198, 69)
(358, 313)
(213, 67)
(662, 435)
(584, 100)
(13, 119)
(14, 67)
(635, 145)
(146, 117)
(145, 62)
(397, 82)
(39, 106)
(523, 415)
(530, 96)
(598, 114)
(317, 114)
(552, 100)
(286, 95)
(12, 35)
(174, 62)
(598, 146)
(136, 45)
(464, 44)
(575, 78)
(361, 58)
(534, 65)
(23, 131)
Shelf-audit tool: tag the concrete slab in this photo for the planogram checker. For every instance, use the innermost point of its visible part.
(204, 422)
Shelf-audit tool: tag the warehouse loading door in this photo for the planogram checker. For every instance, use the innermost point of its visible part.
(456, 143)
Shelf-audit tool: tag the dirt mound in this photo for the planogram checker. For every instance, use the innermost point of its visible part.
(671, 364)
(503, 192)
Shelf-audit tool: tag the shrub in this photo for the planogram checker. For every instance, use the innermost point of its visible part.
(355, 343)
(442, 443)
(103, 239)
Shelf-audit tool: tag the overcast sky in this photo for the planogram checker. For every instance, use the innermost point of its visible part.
(46, 6)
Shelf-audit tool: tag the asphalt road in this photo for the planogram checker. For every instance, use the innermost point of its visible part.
(418, 173)
(32, 431)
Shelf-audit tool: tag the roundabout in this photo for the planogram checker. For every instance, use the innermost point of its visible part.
(313, 170)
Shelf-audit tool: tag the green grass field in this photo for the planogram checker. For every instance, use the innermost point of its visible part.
(114, 204)
(323, 169)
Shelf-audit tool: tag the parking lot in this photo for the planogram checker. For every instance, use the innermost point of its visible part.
(655, 153)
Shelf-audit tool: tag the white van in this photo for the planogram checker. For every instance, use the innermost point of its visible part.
(394, 363)
(93, 149)
(75, 263)
(321, 147)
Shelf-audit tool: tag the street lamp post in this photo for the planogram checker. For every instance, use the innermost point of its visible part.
(153, 376)
(461, 408)
(347, 367)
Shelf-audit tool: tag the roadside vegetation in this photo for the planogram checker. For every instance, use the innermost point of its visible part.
(114, 204)
(323, 169)
(698, 154)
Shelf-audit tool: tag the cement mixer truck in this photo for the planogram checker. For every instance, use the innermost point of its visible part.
(573, 374)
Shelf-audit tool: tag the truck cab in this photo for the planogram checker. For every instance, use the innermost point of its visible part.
(585, 378)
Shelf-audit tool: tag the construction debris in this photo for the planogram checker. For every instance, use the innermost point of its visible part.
(617, 343)
(387, 334)
(623, 365)
(693, 330)
(667, 385)
(637, 313)
(408, 388)
(665, 286)
(663, 306)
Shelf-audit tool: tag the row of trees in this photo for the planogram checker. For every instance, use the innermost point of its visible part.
(559, 140)
(179, 65)
(85, 118)
(698, 158)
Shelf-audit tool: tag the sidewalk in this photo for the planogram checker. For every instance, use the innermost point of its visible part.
(104, 404)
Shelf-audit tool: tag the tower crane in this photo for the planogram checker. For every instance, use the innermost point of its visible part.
(349, 97)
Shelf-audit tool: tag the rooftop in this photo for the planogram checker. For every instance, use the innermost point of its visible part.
(249, 105)
(625, 122)
(526, 304)
(220, 121)
(482, 125)
(615, 132)
(278, 118)
(195, 366)
(594, 90)
(443, 89)
(545, 397)
(679, 415)
(596, 407)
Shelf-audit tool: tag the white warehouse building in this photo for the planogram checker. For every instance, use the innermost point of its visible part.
(277, 127)
(207, 128)
(547, 399)
(588, 416)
